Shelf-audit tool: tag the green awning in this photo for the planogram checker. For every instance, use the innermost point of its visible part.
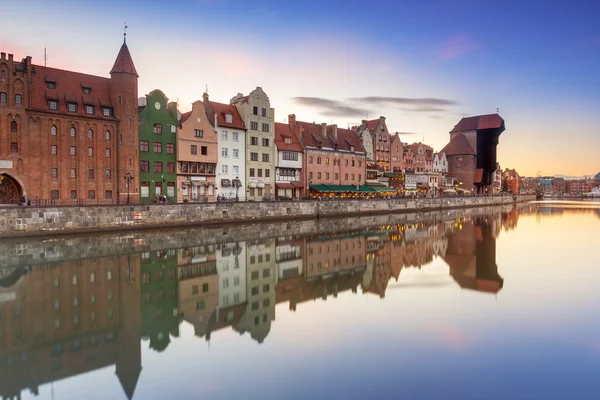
(335, 188)
(384, 189)
(320, 188)
(349, 188)
(366, 189)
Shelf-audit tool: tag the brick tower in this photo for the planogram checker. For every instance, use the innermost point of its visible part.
(123, 95)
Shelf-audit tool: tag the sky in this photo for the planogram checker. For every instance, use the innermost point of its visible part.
(422, 64)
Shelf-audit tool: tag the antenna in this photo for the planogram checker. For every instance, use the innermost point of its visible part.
(206, 88)
(497, 110)
(45, 56)
(125, 33)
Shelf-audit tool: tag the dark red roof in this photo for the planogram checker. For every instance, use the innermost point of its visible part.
(372, 124)
(458, 145)
(312, 135)
(283, 131)
(221, 110)
(124, 62)
(488, 121)
(185, 116)
(69, 86)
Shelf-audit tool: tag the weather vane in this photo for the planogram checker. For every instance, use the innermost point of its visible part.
(125, 33)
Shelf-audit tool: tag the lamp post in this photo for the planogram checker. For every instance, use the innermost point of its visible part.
(308, 188)
(128, 179)
(237, 188)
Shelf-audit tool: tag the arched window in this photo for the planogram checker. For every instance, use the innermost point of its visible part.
(13, 126)
(18, 99)
(53, 130)
(90, 134)
(107, 135)
(72, 132)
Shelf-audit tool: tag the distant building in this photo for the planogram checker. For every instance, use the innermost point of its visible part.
(512, 179)
(381, 140)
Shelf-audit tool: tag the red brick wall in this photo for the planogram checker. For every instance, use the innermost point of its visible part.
(462, 167)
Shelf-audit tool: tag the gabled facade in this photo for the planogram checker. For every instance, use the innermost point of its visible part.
(289, 154)
(440, 163)
(231, 133)
(67, 137)
(421, 157)
(396, 154)
(197, 156)
(158, 141)
(258, 117)
(381, 140)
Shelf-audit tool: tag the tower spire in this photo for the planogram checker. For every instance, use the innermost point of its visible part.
(125, 33)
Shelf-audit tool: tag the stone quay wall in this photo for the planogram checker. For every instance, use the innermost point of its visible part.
(32, 221)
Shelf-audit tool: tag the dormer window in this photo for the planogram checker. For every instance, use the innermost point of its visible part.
(106, 111)
(287, 140)
(50, 84)
(228, 118)
(72, 107)
(352, 149)
(89, 109)
(86, 89)
(53, 104)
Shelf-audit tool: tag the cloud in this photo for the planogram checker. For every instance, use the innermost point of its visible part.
(407, 133)
(456, 47)
(412, 101)
(330, 108)
(424, 109)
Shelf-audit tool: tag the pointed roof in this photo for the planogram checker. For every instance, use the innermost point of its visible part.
(458, 145)
(129, 380)
(124, 63)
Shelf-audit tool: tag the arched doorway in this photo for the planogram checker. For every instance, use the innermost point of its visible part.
(10, 190)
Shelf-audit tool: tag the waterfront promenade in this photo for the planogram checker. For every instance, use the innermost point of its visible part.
(32, 221)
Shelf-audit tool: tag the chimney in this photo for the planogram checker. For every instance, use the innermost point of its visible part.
(324, 129)
(382, 119)
(291, 119)
(172, 108)
(205, 96)
(2, 56)
(10, 57)
(335, 131)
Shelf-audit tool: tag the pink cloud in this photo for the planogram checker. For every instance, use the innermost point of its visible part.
(457, 46)
(451, 337)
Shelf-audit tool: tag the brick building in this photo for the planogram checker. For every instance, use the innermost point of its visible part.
(381, 140)
(396, 154)
(67, 136)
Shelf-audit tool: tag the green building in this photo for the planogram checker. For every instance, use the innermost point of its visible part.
(158, 140)
(160, 300)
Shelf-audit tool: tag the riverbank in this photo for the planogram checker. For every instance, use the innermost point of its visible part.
(31, 221)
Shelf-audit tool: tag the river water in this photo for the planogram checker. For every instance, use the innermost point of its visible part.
(495, 303)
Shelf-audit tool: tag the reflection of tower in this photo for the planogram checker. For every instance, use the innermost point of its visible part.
(471, 255)
(129, 356)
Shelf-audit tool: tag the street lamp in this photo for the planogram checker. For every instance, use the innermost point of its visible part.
(237, 188)
(128, 179)
(308, 188)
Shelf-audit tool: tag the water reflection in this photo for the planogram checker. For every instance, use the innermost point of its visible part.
(64, 318)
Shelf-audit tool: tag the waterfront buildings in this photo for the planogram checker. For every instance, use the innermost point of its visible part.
(197, 156)
(66, 136)
(258, 118)
(289, 155)
(231, 133)
(397, 154)
(158, 138)
(512, 179)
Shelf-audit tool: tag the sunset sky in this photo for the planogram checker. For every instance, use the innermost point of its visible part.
(421, 64)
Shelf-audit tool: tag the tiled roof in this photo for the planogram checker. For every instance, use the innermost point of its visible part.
(283, 131)
(312, 135)
(489, 121)
(124, 62)
(458, 145)
(69, 86)
(221, 110)
(372, 124)
(185, 116)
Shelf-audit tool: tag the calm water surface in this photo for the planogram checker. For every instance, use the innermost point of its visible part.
(501, 304)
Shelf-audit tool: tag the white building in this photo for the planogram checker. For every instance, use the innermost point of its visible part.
(288, 167)
(231, 165)
(231, 266)
(440, 163)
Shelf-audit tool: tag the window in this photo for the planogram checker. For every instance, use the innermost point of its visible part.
(106, 111)
(265, 127)
(224, 169)
(265, 142)
(158, 166)
(107, 153)
(108, 195)
(287, 155)
(158, 147)
(360, 163)
(236, 153)
(91, 194)
(73, 151)
(73, 173)
(170, 148)
(326, 175)
(54, 172)
(336, 176)
(3, 96)
(264, 112)
(52, 104)
(107, 174)
(228, 118)
(236, 169)
(53, 150)
(253, 156)
(259, 173)
(157, 129)
(72, 107)
(54, 194)
(318, 175)
(252, 172)
(255, 110)
(14, 147)
(18, 99)
(224, 135)
(254, 141)
(73, 194)
(253, 126)
(89, 109)
(145, 166)
(144, 146)
(107, 135)
(310, 175)
(90, 174)
(90, 134)
(346, 163)
(86, 89)
(318, 160)
(235, 136)
(267, 173)
(310, 160)
(90, 151)
(352, 177)
(360, 177)
(265, 157)
(353, 163)
(326, 160)
(345, 177)
(198, 133)
(171, 167)
(204, 150)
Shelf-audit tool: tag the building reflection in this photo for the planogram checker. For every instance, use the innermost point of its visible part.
(62, 319)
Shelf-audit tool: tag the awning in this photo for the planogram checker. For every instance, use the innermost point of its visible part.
(225, 183)
(366, 189)
(478, 175)
(297, 184)
(260, 185)
(252, 185)
(320, 188)
(284, 185)
(384, 189)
